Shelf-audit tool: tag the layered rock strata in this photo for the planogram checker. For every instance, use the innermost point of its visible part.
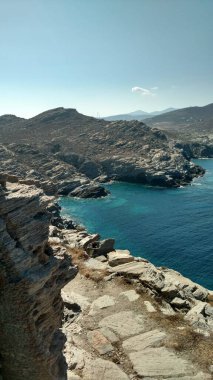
(32, 273)
(177, 293)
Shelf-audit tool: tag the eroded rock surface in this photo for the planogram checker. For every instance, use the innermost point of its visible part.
(32, 273)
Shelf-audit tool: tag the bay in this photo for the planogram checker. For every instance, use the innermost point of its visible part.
(169, 227)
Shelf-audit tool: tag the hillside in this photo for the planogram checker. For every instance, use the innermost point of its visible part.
(137, 115)
(191, 128)
(59, 145)
(190, 120)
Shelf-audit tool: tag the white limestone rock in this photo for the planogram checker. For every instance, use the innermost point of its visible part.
(125, 323)
(131, 295)
(101, 303)
(119, 257)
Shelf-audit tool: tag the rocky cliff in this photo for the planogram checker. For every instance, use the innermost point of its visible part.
(122, 316)
(32, 273)
(61, 147)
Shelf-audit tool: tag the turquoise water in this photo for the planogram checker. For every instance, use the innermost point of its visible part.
(169, 227)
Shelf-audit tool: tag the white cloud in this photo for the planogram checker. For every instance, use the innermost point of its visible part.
(143, 91)
(155, 88)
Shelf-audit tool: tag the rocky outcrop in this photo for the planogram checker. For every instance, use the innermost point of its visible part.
(89, 191)
(110, 328)
(118, 332)
(67, 149)
(177, 293)
(32, 273)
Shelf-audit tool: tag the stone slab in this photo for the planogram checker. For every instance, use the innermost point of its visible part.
(119, 257)
(125, 323)
(159, 362)
(150, 308)
(131, 295)
(150, 339)
(101, 303)
(134, 268)
(99, 342)
(103, 370)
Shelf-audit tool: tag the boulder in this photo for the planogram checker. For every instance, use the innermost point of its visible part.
(119, 257)
(89, 191)
(88, 240)
(104, 247)
(180, 303)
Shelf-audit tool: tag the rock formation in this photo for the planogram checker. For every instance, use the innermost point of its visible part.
(117, 312)
(32, 273)
(61, 150)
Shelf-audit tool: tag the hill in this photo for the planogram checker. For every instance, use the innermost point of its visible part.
(191, 128)
(137, 115)
(60, 146)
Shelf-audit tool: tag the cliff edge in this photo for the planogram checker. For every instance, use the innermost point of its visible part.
(32, 273)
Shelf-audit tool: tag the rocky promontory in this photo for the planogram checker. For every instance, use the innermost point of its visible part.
(61, 147)
(118, 317)
(118, 314)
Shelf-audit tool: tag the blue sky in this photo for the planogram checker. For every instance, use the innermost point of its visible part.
(105, 56)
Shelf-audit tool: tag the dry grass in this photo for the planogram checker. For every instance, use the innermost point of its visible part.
(199, 347)
(79, 256)
(183, 339)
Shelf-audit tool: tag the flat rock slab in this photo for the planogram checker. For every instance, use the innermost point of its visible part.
(199, 376)
(101, 258)
(95, 264)
(166, 309)
(134, 268)
(125, 323)
(99, 342)
(109, 334)
(130, 294)
(150, 339)
(159, 362)
(89, 239)
(100, 369)
(101, 303)
(150, 308)
(72, 376)
(119, 257)
(75, 298)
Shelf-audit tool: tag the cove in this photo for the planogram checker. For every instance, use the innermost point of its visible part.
(169, 227)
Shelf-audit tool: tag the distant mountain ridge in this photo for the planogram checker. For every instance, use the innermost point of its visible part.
(190, 120)
(138, 115)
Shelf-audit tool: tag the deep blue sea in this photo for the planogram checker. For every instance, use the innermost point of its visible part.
(169, 227)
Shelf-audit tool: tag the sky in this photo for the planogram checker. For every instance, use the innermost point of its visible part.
(105, 57)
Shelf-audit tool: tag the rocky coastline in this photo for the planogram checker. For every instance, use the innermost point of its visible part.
(71, 306)
(62, 150)
(111, 302)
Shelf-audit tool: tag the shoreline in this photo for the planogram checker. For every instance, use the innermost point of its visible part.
(81, 224)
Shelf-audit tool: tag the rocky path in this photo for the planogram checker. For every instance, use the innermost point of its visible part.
(115, 333)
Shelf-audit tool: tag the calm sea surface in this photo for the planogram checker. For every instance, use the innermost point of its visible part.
(169, 227)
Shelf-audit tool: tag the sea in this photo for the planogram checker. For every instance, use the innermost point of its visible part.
(169, 227)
